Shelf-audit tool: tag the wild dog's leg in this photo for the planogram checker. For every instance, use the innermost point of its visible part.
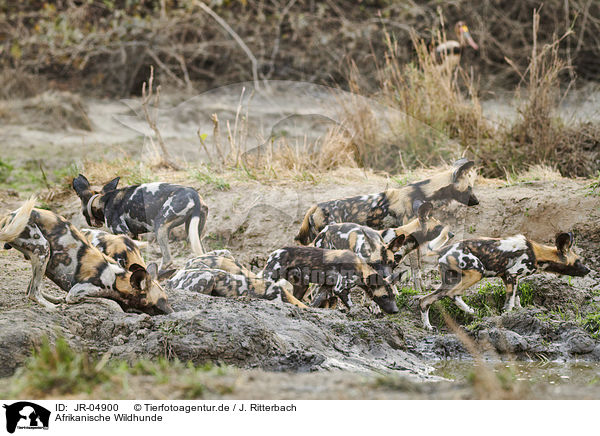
(39, 260)
(288, 297)
(162, 237)
(414, 259)
(517, 296)
(511, 291)
(462, 305)
(83, 290)
(454, 283)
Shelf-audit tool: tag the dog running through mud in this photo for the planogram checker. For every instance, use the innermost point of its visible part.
(385, 249)
(455, 183)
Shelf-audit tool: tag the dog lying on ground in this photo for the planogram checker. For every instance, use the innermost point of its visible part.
(219, 274)
(385, 249)
(465, 263)
(150, 207)
(336, 271)
(59, 251)
(370, 210)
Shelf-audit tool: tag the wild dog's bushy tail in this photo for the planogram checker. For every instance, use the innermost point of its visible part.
(12, 226)
(195, 226)
(303, 235)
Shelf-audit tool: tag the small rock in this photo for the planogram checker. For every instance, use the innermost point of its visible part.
(504, 341)
(579, 342)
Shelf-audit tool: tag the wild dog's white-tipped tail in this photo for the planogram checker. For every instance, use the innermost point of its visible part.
(12, 227)
(194, 235)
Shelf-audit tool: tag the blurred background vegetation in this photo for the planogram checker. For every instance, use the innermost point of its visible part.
(104, 47)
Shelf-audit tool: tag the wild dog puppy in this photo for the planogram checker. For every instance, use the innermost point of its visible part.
(465, 263)
(59, 251)
(150, 207)
(370, 210)
(223, 276)
(336, 271)
(384, 249)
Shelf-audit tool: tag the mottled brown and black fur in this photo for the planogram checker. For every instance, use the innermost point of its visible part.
(221, 275)
(149, 207)
(385, 249)
(370, 210)
(59, 251)
(465, 263)
(335, 271)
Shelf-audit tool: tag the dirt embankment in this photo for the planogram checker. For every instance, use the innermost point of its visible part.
(252, 219)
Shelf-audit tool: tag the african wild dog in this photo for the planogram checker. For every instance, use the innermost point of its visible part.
(124, 250)
(59, 251)
(222, 275)
(465, 263)
(150, 207)
(370, 210)
(385, 249)
(336, 271)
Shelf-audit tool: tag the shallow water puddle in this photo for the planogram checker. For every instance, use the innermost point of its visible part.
(580, 373)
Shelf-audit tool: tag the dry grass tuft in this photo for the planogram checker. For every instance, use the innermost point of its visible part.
(439, 117)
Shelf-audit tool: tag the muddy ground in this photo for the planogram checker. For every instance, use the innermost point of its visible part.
(281, 351)
(252, 219)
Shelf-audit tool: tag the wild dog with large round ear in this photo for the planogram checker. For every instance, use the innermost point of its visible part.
(58, 250)
(465, 263)
(149, 207)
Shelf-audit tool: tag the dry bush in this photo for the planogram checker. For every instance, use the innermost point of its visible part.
(540, 136)
(443, 118)
(106, 47)
(431, 122)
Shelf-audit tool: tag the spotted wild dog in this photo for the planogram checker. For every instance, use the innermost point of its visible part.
(149, 207)
(59, 251)
(335, 271)
(455, 183)
(370, 210)
(385, 249)
(124, 250)
(221, 275)
(465, 263)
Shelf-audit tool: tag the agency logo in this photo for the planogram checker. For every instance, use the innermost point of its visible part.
(26, 415)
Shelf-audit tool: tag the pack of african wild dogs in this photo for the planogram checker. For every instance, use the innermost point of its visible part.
(342, 244)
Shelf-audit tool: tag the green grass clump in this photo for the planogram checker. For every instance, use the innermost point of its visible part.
(404, 297)
(206, 176)
(58, 370)
(487, 301)
(5, 170)
(594, 187)
(61, 370)
(591, 322)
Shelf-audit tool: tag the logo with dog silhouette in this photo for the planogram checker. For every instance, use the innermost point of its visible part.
(26, 415)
